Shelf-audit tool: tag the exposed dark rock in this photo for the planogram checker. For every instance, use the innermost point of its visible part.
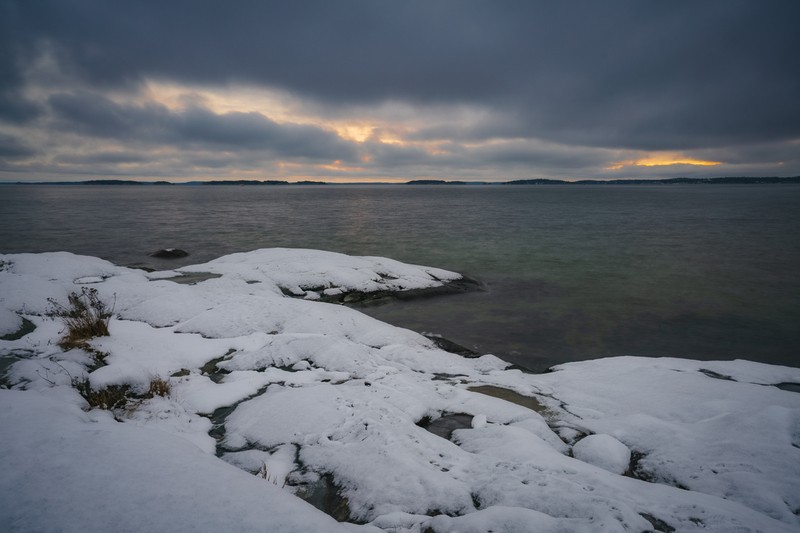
(192, 278)
(635, 470)
(142, 267)
(326, 495)
(715, 375)
(443, 376)
(217, 431)
(791, 387)
(212, 371)
(26, 327)
(361, 299)
(5, 363)
(510, 396)
(169, 253)
(446, 424)
(657, 523)
(450, 346)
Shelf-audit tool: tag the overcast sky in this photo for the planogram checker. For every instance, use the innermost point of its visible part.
(383, 91)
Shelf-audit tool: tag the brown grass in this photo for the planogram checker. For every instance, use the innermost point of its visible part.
(119, 396)
(111, 397)
(86, 317)
(158, 387)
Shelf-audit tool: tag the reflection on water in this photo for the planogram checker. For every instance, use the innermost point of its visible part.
(572, 272)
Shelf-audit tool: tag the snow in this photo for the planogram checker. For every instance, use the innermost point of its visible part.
(604, 451)
(202, 395)
(65, 470)
(10, 322)
(301, 390)
(298, 270)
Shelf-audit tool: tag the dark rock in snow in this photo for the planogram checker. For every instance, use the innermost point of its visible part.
(169, 253)
(446, 424)
(450, 346)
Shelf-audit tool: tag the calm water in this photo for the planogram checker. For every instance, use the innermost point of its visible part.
(572, 272)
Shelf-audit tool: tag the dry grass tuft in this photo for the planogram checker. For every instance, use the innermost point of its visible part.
(119, 396)
(158, 387)
(86, 317)
(112, 397)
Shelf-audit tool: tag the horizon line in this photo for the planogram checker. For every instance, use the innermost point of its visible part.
(523, 181)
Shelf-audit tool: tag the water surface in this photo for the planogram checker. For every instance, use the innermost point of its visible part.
(571, 272)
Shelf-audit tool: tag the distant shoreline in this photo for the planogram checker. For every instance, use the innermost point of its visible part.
(636, 181)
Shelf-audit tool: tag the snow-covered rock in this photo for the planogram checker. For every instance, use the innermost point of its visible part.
(604, 451)
(67, 470)
(304, 391)
(10, 322)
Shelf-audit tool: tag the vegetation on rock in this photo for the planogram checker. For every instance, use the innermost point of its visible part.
(86, 317)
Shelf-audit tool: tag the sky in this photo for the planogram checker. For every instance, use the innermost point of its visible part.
(374, 90)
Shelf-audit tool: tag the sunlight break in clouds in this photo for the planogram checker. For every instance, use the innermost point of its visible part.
(278, 106)
(662, 160)
(472, 91)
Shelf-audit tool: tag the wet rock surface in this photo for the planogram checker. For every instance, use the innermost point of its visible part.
(363, 299)
(449, 346)
(510, 396)
(169, 253)
(791, 387)
(326, 496)
(191, 278)
(26, 327)
(445, 425)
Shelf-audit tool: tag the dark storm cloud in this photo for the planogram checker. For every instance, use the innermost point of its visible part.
(16, 109)
(103, 158)
(645, 75)
(503, 157)
(14, 106)
(777, 152)
(94, 114)
(13, 148)
(253, 130)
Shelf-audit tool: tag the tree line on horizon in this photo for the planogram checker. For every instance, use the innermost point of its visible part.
(537, 181)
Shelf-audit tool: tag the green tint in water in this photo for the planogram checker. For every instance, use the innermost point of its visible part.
(572, 272)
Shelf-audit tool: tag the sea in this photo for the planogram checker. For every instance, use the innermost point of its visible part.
(568, 272)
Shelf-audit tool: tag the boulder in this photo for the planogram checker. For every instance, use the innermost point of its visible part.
(603, 451)
(169, 253)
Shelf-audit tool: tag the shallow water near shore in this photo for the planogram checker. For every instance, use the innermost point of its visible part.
(570, 272)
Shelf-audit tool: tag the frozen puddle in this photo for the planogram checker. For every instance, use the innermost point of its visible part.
(270, 396)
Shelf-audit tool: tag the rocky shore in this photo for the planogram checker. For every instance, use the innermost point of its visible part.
(249, 398)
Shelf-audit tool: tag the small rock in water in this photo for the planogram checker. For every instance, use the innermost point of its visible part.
(603, 451)
(169, 253)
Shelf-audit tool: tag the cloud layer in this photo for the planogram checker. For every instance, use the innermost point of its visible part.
(377, 90)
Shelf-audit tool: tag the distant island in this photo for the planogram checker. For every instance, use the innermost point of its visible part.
(445, 182)
(538, 181)
(670, 181)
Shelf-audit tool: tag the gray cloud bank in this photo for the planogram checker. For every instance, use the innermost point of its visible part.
(581, 80)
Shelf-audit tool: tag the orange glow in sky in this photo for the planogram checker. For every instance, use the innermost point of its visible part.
(662, 160)
(353, 132)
